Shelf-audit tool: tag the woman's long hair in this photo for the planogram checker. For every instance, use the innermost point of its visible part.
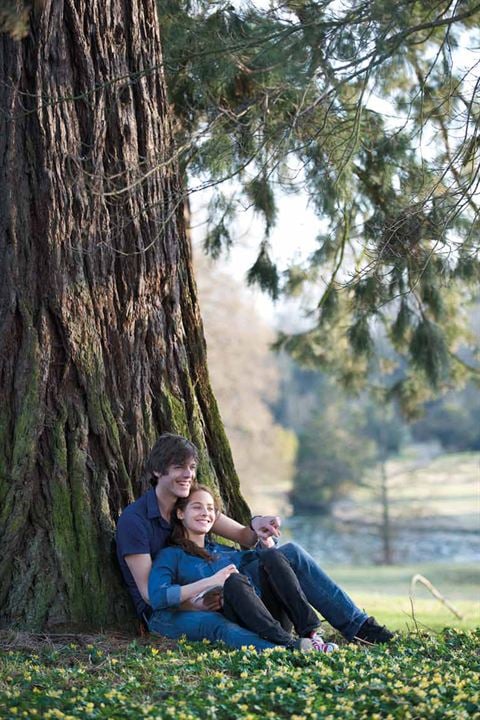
(179, 534)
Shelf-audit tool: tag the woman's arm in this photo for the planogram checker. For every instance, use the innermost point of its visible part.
(164, 589)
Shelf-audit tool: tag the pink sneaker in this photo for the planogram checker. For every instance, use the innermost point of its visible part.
(320, 645)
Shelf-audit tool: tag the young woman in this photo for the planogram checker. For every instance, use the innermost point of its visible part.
(193, 565)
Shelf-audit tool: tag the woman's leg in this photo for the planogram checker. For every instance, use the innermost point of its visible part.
(279, 576)
(200, 625)
(323, 593)
(242, 605)
(272, 602)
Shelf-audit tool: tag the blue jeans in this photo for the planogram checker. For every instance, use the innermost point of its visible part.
(320, 590)
(197, 625)
(323, 593)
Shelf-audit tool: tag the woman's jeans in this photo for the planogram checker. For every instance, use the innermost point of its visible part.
(242, 605)
(320, 590)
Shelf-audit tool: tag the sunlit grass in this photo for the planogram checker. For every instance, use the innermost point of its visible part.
(384, 591)
(397, 613)
(420, 676)
(456, 581)
(443, 487)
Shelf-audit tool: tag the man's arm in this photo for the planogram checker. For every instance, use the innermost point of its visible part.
(140, 566)
(265, 527)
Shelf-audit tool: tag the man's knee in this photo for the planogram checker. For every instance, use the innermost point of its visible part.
(294, 553)
(235, 582)
(272, 559)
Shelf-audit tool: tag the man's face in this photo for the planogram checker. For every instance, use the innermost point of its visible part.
(178, 479)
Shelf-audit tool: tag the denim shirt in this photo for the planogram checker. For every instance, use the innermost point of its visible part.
(173, 567)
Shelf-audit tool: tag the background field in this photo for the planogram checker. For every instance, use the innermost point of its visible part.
(435, 511)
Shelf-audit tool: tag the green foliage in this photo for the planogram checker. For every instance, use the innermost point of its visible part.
(14, 18)
(260, 194)
(429, 351)
(331, 458)
(285, 98)
(427, 676)
(333, 452)
(359, 337)
(264, 272)
(453, 421)
(339, 437)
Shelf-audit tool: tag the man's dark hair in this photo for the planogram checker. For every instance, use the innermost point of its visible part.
(169, 450)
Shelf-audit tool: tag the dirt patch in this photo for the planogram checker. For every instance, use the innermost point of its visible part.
(110, 642)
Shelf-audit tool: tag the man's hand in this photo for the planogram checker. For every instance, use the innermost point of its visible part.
(211, 601)
(266, 528)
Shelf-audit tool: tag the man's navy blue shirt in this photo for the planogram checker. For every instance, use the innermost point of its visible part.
(140, 530)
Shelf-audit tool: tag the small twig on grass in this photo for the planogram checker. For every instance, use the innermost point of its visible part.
(414, 618)
(436, 594)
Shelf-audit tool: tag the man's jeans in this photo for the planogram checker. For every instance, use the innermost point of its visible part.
(320, 590)
(323, 593)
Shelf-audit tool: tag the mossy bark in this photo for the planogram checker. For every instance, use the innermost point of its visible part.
(102, 342)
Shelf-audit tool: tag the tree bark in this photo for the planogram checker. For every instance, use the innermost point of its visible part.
(101, 339)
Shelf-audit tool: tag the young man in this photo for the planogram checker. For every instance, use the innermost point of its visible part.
(144, 528)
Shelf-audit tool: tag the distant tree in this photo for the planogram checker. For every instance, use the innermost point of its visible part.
(453, 421)
(333, 451)
(386, 429)
(343, 441)
(245, 376)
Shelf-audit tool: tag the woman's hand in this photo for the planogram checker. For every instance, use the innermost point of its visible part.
(221, 576)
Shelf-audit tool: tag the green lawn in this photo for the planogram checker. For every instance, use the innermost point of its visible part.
(384, 592)
(421, 676)
(443, 490)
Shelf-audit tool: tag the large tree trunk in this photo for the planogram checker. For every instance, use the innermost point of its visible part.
(100, 334)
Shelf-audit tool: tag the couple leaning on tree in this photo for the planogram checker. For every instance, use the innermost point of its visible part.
(168, 562)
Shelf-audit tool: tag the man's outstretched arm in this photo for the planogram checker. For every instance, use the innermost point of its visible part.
(265, 528)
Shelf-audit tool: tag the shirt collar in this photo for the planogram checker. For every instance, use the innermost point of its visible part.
(153, 511)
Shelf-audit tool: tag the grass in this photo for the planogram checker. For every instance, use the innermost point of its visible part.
(390, 602)
(420, 676)
(461, 582)
(443, 490)
(396, 612)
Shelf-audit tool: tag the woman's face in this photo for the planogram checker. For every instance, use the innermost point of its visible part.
(199, 515)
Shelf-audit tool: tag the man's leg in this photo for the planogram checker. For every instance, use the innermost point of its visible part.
(241, 604)
(286, 587)
(204, 625)
(323, 593)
